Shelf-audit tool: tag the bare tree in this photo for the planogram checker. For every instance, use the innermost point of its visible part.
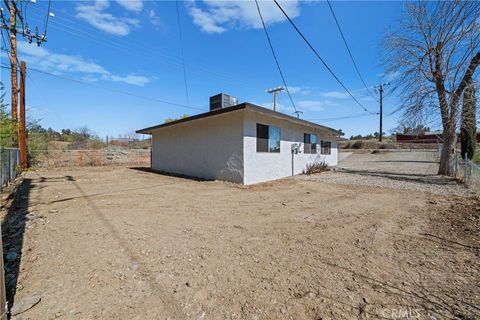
(433, 54)
(468, 127)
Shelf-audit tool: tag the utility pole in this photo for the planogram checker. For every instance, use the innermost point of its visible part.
(298, 112)
(11, 27)
(274, 91)
(22, 129)
(380, 88)
(13, 70)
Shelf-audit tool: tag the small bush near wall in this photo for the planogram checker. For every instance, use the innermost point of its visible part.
(315, 167)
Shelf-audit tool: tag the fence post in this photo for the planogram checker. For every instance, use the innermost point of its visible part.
(9, 166)
(456, 165)
(1, 169)
(465, 178)
(3, 294)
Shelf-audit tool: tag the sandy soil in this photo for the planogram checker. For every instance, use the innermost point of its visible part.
(118, 243)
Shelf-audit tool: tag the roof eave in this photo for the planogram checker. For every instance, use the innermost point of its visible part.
(248, 106)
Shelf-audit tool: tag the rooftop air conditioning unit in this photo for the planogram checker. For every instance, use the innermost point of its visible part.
(221, 101)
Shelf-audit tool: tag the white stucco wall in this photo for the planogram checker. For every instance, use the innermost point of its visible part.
(209, 148)
(263, 166)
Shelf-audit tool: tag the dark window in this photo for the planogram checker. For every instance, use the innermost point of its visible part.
(326, 147)
(306, 143)
(309, 143)
(313, 141)
(262, 138)
(268, 138)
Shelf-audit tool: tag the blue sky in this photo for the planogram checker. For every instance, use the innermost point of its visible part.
(134, 47)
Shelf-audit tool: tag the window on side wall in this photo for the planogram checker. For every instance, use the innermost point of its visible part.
(268, 138)
(309, 143)
(326, 147)
(307, 148)
(313, 141)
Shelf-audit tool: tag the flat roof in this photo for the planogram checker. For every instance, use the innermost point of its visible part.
(241, 106)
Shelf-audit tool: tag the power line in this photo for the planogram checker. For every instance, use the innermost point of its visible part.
(111, 89)
(141, 46)
(342, 118)
(181, 49)
(152, 55)
(24, 31)
(275, 56)
(348, 49)
(320, 58)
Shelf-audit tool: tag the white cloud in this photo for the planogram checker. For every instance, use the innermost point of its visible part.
(206, 22)
(94, 15)
(310, 105)
(335, 94)
(299, 90)
(59, 64)
(154, 19)
(130, 79)
(131, 5)
(218, 16)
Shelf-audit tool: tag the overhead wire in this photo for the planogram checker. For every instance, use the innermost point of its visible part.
(154, 51)
(320, 58)
(275, 57)
(9, 40)
(349, 51)
(181, 50)
(110, 89)
(342, 118)
(153, 56)
(46, 20)
(144, 55)
(17, 12)
(176, 104)
(4, 41)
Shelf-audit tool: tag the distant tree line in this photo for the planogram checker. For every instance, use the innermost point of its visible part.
(7, 128)
(370, 136)
(183, 116)
(40, 138)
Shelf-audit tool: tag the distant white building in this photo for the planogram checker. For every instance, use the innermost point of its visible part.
(243, 143)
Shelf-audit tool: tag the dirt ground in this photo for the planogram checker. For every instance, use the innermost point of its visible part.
(120, 243)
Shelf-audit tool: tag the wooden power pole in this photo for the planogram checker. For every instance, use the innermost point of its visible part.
(22, 128)
(380, 88)
(13, 65)
(274, 91)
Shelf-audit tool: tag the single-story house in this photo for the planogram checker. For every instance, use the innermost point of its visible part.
(243, 143)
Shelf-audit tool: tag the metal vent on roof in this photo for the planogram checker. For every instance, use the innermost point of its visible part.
(221, 101)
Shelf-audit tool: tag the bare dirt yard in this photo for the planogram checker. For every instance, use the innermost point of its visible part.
(120, 243)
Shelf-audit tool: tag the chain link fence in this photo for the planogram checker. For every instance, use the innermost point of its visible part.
(86, 158)
(467, 171)
(9, 165)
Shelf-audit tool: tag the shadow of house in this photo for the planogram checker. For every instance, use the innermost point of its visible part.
(406, 161)
(170, 174)
(13, 229)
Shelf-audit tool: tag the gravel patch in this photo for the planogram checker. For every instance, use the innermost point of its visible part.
(395, 170)
(430, 184)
